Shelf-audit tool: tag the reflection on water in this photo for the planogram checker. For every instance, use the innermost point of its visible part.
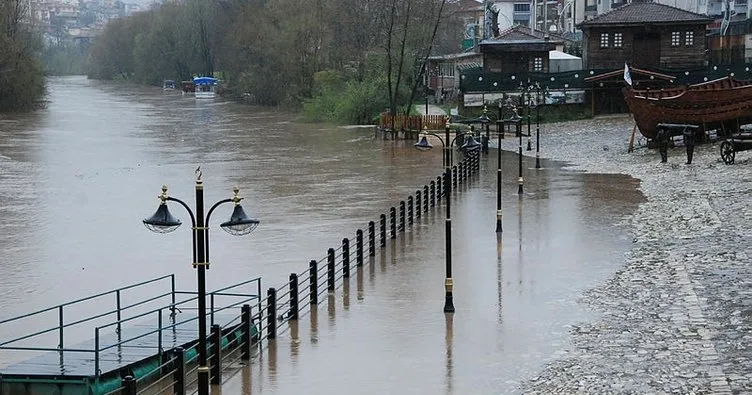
(77, 178)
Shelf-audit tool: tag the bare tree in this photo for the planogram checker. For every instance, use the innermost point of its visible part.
(408, 42)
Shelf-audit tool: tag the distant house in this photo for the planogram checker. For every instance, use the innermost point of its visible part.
(646, 35)
(441, 72)
(518, 49)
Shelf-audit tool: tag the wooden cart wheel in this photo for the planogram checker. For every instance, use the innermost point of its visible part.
(727, 152)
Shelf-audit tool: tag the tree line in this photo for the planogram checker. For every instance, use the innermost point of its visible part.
(21, 75)
(340, 60)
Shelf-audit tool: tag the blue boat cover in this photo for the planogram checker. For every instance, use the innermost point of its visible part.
(204, 81)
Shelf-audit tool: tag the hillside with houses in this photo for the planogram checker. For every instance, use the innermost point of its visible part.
(77, 20)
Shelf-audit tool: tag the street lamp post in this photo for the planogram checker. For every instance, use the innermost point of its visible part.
(470, 145)
(499, 213)
(537, 125)
(485, 120)
(519, 179)
(529, 147)
(540, 99)
(515, 119)
(239, 224)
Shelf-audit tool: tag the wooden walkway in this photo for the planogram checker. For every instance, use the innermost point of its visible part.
(81, 364)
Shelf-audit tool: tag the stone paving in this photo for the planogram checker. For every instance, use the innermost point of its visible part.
(677, 318)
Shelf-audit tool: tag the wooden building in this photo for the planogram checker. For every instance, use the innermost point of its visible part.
(518, 49)
(646, 35)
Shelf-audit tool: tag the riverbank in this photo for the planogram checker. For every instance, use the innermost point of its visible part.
(677, 318)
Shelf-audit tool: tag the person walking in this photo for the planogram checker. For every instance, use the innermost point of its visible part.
(689, 142)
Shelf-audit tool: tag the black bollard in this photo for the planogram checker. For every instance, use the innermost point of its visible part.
(271, 317)
(293, 315)
(433, 193)
(245, 332)
(454, 175)
(392, 222)
(402, 216)
(409, 210)
(359, 247)
(345, 258)
(439, 191)
(216, 354)
(383, 230)
(130, 386)
(313, 280)
(178, 375)
(371, 238)
(330, 267)
(425, 198)
(418, 204)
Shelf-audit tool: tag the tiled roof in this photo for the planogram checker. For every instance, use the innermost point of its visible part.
(520, 34)
(639, 13)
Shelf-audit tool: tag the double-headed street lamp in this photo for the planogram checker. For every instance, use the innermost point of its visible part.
(470, 145)
(239, 224)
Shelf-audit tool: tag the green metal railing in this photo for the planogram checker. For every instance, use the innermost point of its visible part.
(172, 306)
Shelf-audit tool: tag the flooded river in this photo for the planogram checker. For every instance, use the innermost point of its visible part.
(77, 178)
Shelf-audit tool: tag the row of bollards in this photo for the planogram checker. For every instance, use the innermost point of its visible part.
(408, 211)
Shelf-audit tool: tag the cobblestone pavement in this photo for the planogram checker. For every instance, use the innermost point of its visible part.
(677, 318)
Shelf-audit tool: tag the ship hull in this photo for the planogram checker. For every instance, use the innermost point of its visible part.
(723, 104)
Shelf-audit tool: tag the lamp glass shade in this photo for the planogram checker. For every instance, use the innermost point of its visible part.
(423, 144)
(239, 224)
(162, 221)
(470, 144)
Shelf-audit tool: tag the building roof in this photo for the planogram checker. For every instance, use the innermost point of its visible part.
(519, 34)
(640, 13)
(454, 56)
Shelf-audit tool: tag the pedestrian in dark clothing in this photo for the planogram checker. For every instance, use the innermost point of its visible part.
(689, 142)
(662, 138)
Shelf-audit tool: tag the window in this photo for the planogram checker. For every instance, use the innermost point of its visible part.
(618, 40)
(522, 7)
(689, 39)
(538, 64)
(675, 39)
(604, 40)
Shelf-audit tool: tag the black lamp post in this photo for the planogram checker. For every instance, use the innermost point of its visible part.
(529, 147)
(239, 224)
(540, 94)
(515, 119)
(520, 180)
(485, 120)
(470, 145)
(499, 213)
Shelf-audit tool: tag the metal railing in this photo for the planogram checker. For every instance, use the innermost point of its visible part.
(117, 325)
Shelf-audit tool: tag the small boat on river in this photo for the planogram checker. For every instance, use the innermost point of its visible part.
(724, 103)
(168, 85)
(204, 87)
